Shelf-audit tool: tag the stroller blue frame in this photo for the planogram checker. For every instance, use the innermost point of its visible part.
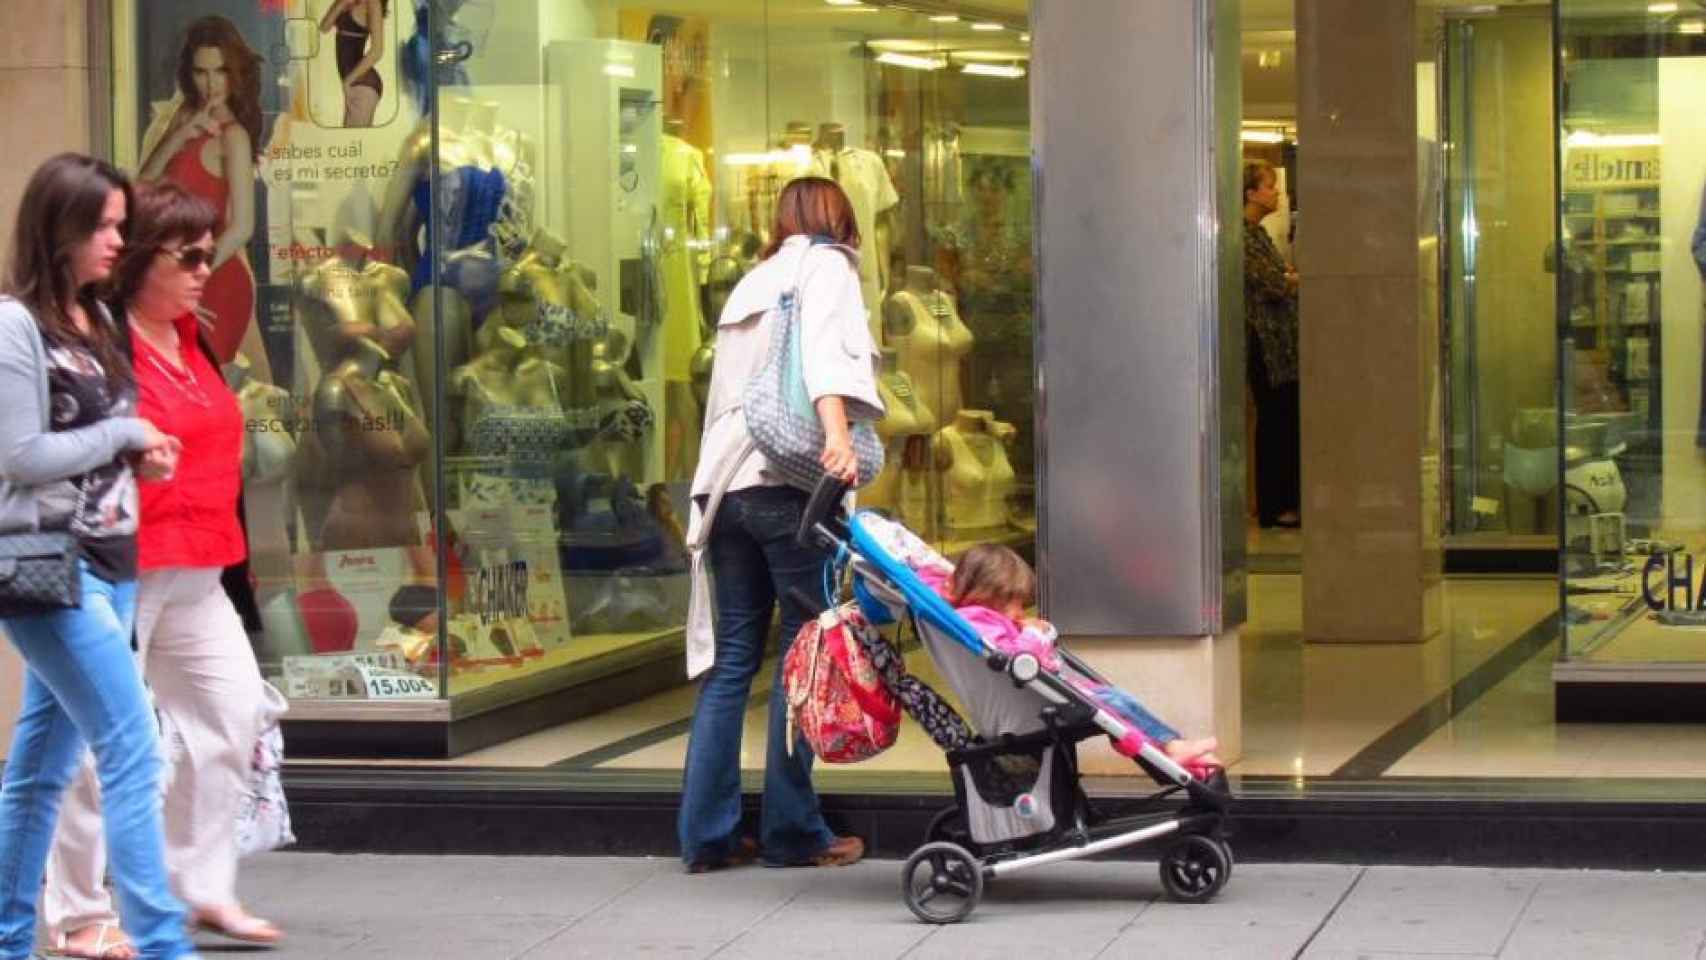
(1018, 799)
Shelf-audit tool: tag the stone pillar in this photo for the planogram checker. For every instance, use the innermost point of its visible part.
(1369, 347)
(45, 92)
(1140, 347)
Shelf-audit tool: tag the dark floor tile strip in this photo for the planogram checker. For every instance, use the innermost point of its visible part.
(644, 739)
(1375, 759)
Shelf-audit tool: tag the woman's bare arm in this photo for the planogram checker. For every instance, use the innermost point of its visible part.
(240, 181)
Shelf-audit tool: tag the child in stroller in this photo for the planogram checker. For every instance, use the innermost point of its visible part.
(1018, 800)
(991, 587)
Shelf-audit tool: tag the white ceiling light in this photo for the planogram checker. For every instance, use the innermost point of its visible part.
(1692, 27)
(991, 27)
(1261, 136)
(845, 3)
(1007, 70)
(945, 18)
(1661, 8)
(910, 61)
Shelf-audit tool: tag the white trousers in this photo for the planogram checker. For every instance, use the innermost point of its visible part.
(195, 655)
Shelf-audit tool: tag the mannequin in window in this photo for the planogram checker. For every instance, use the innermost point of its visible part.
(907, 416)
(921, 323)
(625, 419)
(485, 192)
(351, 295)
(360, 467)
(977, 477)
(865, 179)
(269, 453)
(720, 279)
(686, 213)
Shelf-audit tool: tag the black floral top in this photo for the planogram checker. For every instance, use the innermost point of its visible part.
(1270, 306)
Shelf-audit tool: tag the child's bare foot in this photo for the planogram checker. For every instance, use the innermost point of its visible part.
(1194, 751)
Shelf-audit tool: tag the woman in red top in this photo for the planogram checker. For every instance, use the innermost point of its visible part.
(191, 643)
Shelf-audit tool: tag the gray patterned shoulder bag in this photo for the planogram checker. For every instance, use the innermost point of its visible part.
(779, 412)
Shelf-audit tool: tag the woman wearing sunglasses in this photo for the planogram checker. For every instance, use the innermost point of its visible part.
(191, 644)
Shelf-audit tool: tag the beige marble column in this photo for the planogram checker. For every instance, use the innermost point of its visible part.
(1369, 347)
(45, 82)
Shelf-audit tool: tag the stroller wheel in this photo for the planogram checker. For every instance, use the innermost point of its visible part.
(947, 826)
(942, 883)
(1194, 868)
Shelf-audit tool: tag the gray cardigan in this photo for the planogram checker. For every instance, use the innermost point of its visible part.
(31, 452)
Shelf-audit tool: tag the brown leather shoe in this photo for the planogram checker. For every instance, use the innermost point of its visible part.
(841, 852)
(745, 851)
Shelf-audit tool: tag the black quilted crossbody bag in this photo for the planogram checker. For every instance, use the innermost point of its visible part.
(38, 573)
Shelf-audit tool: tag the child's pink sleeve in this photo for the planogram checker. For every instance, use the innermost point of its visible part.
(935, 578)
(1040, 642)
(995, 629)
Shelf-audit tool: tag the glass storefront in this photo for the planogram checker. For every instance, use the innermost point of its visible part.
(469, 307)
(1634, 255)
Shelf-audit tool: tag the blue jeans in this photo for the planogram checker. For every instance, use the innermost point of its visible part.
(754, 563)
(1126, 706)
(82, 686)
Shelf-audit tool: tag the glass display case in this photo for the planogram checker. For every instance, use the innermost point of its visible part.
(481, 249)
(1631, 265)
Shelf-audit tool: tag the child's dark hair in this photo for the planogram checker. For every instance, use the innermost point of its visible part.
(993, 576)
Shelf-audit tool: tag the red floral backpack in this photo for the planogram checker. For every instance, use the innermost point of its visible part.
(835, 697)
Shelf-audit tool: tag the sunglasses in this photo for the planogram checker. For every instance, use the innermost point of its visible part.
(191, 258)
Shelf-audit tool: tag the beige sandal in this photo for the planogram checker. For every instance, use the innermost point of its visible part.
(110, 944)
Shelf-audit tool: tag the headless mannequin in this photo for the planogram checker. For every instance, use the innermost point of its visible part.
(930, 337)
(351, 296)
(625, 416)
(977, 478)
(367, 444)
(469, 137)
(908, 416)
(269, 452)
(548, 299)
(720, 279)
(686, 215)
(864, 176)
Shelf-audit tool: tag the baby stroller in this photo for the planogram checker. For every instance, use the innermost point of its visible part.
(1018, 801)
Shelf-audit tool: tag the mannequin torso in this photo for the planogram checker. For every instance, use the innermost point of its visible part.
(977, 477)
(930, 352)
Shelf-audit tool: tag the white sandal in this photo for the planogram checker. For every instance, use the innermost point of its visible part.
(110, 944)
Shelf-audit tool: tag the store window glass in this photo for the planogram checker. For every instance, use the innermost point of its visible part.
(1633, 162)
(479, 248)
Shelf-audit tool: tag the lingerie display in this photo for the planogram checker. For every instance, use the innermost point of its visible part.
(931, 351)
(686, 212)
(229, 294)
(865, 179)
(978, 481)
(471, 199)
(353, 37)
(907, 416)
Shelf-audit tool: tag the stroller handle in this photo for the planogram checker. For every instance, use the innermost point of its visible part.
(825, 499)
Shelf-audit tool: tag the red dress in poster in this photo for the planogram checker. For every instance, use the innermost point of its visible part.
(230, 292)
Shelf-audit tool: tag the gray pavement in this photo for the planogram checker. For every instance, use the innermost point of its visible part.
(537, 907)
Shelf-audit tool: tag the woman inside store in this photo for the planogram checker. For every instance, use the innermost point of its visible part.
(209, 147)
(742, 527)
(360, 29)
(190, 641)
(1270, 320)
(71, 449)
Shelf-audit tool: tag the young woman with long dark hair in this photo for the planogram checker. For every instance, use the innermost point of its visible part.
(71, 448)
